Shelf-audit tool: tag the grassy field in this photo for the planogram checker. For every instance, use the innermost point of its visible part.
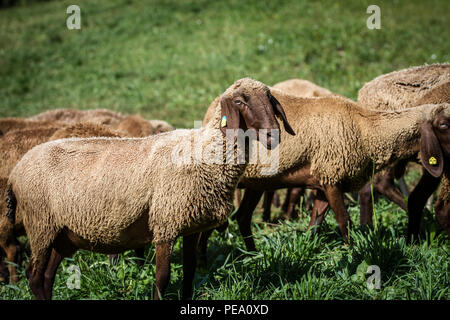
(168, 60)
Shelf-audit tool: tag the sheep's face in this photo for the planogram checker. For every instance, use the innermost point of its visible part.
(441, 128)
(248, 104)
(435, 141)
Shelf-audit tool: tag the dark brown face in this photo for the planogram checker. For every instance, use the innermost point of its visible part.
(441, 128)
(435, 144)
(256, 111)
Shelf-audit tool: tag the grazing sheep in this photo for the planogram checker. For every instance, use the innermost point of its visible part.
(110, 194)
(338, 155)
(134, 125)
(139, 127)
(9, 124)
(302, 88)
(160, 126)
(100, 116)
(296, 87)
(405, 88)
(14, 145)
(394, 91)
(87, 129)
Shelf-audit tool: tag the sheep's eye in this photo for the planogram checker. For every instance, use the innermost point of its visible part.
(238, 102)
(443, 126)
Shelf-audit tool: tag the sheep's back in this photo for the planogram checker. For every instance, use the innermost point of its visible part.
(84, 185)
(407, 88)
(99, 187)
(326, 137)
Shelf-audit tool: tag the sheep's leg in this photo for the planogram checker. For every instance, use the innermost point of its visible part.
(416, 202)
(50, 273)
(11, 248)
(203, 245)
(244, 216)
(335, 198)
(365, 202)
(276, 200)
(386, 186)
(28, 271)
(267, 204)
(285, 206)
(310, 200)
(395, 195)
(3, 268)
(12, 252)
(190, 244)
(399, 171)
(319, 210)
(294, 198)
(163, 253)
(38, 264)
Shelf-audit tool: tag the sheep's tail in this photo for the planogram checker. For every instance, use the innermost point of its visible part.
(11, 204)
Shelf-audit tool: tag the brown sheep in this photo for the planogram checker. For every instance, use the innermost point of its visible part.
(110, 194)
(14, 145)
(99, 116)
(300, 88)
(134, 125)
(9, 124)
(327, 156)
(404, 89)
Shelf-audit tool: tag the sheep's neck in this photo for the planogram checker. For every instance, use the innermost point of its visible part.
(393, 136)
(227, 157)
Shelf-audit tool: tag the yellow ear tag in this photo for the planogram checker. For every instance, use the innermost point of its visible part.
(432, 161)
(224, 121)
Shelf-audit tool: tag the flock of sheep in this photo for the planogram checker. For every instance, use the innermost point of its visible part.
(101, 181)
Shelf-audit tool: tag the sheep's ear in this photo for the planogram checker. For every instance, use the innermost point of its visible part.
(279, 112)
(230, 117)
(430, 151)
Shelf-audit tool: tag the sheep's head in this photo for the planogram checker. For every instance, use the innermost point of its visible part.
(248, 104)
(435, 141)
(160, 126)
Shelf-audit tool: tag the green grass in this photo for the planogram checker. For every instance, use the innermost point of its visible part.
(168, 60)
(290, 264)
